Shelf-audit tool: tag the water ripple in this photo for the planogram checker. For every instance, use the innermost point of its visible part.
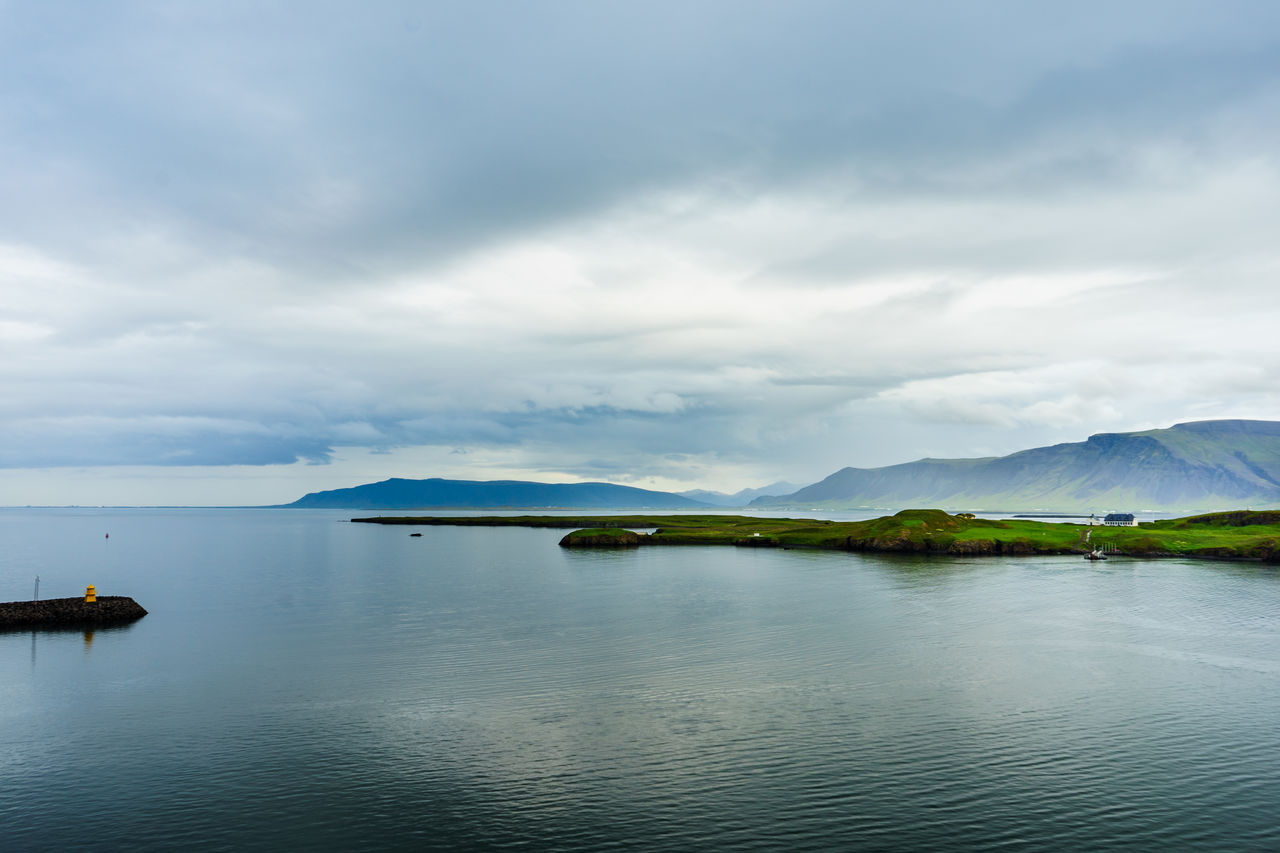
(346, 687)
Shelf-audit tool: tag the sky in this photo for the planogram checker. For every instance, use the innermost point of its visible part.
(250, 250)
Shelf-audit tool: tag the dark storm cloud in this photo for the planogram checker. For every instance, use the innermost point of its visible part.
(341, 139)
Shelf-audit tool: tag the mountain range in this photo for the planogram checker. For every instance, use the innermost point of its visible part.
(742, 497)
(1197, 466)
(436, 493)
(1202, 465)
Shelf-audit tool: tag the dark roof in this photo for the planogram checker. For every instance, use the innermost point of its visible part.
(1119, 516)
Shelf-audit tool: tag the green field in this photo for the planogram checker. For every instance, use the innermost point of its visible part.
(1239, 535)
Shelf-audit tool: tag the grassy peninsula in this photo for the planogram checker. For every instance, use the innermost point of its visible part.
(1239, 535)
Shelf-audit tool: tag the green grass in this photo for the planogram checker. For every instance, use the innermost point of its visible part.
(1237, 535)
(601, 537)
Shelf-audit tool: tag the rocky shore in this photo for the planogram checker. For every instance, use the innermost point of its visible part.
(69, 612)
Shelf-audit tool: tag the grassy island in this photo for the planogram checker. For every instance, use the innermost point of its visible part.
(1239, 535)
(602, 537)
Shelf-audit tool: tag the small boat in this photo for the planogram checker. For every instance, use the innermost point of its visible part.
(1095, 554)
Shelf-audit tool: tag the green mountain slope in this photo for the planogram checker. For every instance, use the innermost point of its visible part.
(1204, 465)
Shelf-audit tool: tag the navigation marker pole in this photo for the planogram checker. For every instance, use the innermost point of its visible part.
(37, 598)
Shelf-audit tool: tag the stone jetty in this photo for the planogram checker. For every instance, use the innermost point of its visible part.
(69, 612)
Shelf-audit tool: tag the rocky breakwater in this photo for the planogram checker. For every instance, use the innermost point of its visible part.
(69, 612)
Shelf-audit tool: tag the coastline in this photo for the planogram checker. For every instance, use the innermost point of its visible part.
(1234, 536)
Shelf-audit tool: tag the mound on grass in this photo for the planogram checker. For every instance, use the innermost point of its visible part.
(601, 537)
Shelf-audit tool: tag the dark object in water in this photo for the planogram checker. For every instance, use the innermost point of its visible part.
(67, 612)
(415, 534)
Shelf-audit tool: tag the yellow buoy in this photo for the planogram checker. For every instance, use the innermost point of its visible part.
(90, 594)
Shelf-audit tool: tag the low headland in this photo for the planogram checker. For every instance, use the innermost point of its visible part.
(1236, 535)
(69, 613)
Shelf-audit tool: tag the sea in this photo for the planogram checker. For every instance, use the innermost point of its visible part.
(305, 683)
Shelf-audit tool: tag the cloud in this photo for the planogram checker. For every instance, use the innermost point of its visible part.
(701, 243)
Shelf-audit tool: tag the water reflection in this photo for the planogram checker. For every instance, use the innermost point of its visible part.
(87, 634)
(348, 687)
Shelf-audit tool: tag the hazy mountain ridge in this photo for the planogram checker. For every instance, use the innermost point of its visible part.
(437, 493)
(1199, 465)
(741, 497)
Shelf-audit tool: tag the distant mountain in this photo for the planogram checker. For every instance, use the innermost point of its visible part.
(740, 498)
(436, 493)
(1203, 465)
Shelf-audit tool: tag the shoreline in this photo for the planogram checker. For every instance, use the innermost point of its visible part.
(1241, 536)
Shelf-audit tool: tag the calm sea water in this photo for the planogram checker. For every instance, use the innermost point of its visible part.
(305, 683)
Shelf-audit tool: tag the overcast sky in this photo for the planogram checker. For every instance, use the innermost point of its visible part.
(254, 249)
